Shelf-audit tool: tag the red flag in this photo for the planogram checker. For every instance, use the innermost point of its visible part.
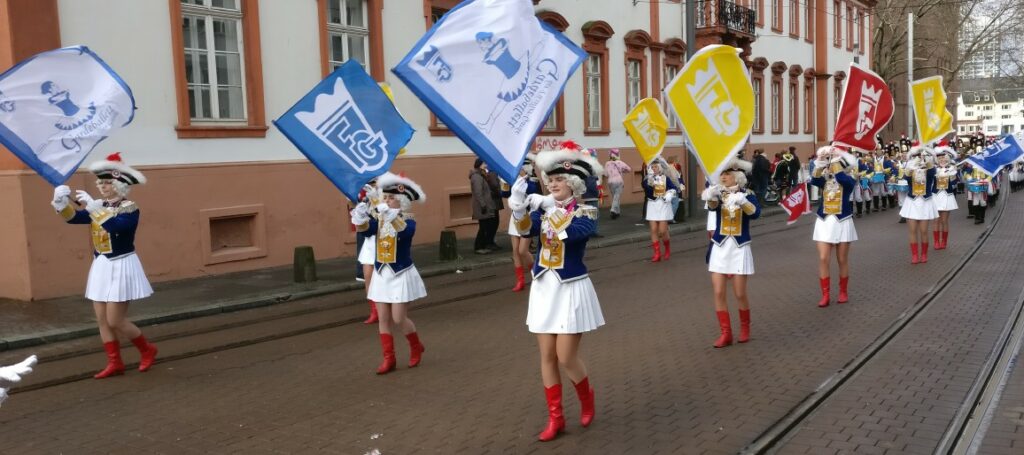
(798, 203)
(866, 108)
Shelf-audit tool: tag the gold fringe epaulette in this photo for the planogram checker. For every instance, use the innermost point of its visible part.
(587, 211)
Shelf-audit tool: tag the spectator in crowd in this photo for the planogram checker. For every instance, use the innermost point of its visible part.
(781, 174)
(775, 161)
(794, 166)
(614, 169)
(494, 184)
(484, 209)
(761, 174)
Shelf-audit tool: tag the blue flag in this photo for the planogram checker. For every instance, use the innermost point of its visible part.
(997, 155)
(56, 106)
(347, 127)
(492, 72)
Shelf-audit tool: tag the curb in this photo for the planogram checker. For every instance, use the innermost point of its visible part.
(299, 292)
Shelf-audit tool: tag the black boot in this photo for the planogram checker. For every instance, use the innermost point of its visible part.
(892, 202)
(875, 199)
(885, 203)
(860, 208)
(867, 206)
(979, 215)
(970, 210)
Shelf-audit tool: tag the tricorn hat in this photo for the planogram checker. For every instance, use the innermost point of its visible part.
(113, 168)
(571, 159)
(396, 184)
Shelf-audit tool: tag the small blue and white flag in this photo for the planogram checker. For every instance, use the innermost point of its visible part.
(57, 105)
(1001, 153)
(492, 72)
(347, 127)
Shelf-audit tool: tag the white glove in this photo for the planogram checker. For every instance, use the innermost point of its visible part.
(61, 197)
(820, 163)
(94, 205)
(389, 214)
(537, 201)
(518, 196)
(360, 214)
(83, 197)
(670, 195)
(736, 199)
(14, 372)
(711, 193)
(912, 165)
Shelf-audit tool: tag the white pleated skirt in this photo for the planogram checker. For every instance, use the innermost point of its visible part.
(831, 230)
(562, 308)
(368, 253)
(387, 287)
(944, 202)
(919, 208)
(659, 210)
(731, 259)
(117, 280)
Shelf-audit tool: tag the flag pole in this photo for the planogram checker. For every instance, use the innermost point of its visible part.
(910, 74)
(692, 186)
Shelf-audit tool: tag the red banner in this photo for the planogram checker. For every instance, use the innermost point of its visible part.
(866, 108)
(798, 203)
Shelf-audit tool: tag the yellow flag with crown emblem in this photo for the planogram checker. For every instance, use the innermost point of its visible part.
(714, 100)
(647, 126)
(933, 119)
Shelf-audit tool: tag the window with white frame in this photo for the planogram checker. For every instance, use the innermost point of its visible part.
(347, 32)
(756, 83)
(837, 24)
(856, 32)
(214, 70)
(837, 99)
(969, 113)
(670, 74)
(632, 83)
(776, 106)
(593, 82)
(776, 20)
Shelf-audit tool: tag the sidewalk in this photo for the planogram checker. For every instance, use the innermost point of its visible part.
(24, 324)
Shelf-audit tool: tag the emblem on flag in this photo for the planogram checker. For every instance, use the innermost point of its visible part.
(999, 154)
(797, 203)
(865, 109)
(56, 106)
(492, 72)
(347, 127)
(929, 101)
(714, 100)
(647, 125)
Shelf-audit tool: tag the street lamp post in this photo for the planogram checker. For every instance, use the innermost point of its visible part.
(689, 31)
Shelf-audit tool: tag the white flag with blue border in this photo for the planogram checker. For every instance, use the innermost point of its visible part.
(999, 154)
(56, 106)
(492, 72)
(347, 127)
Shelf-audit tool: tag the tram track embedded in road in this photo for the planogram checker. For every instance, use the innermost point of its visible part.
(777, 433)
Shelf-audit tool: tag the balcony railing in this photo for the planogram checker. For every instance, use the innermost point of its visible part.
(723, 13)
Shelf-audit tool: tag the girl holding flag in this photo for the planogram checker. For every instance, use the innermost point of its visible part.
(661, 186)
(525, 185)
(919, 206)
(395, 282)
(563, 302)
(834, 229)
(731, 257)
(946, 177)
(116, 277)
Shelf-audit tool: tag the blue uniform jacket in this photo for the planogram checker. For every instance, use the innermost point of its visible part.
(578, 232)
(847, 184)
(649, 190)
(113, 228)
(744, 237)
(403, 252)
(953, 182)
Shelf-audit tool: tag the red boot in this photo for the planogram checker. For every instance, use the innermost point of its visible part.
(373, 313)
(657, 251)
(924, 252)
(586, 395)
(387, 344)
(913, 254)
(415, 349)
(114, 364)
(668, 250)
(744, 326)
(945, 239)
(936, 236)
(147, 351)
(520, 280)
(826, 285)
(844, 281)
(725, 326)
(556, 421)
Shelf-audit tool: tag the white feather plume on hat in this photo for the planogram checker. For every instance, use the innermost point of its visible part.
(567, 161)
(115, 169)
(396, 184)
